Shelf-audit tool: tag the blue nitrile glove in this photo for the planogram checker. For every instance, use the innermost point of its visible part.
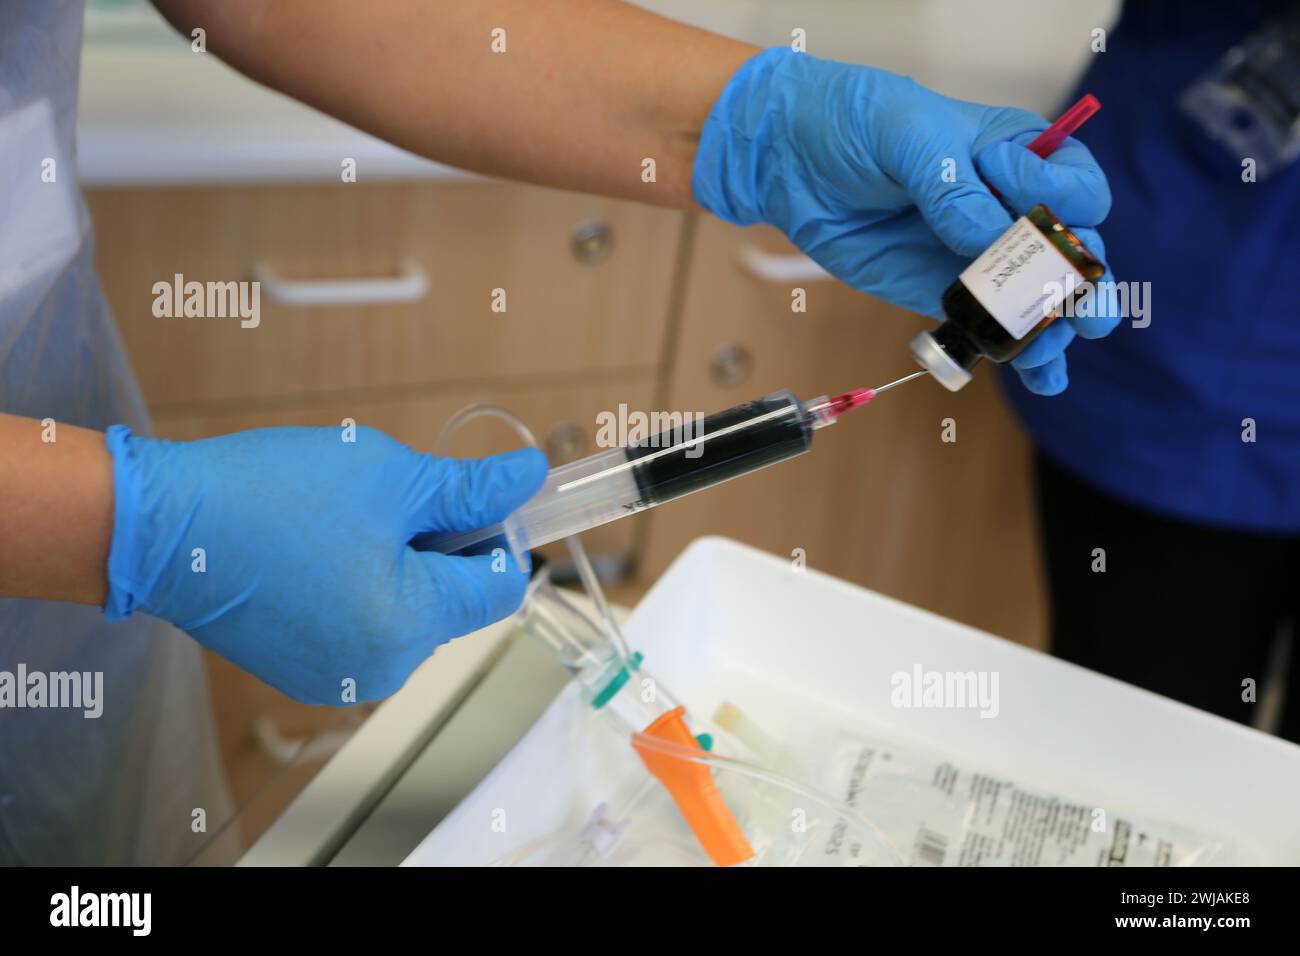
(306, 577)
(849, 162)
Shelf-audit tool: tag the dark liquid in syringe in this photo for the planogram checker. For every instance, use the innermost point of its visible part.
(729, 443)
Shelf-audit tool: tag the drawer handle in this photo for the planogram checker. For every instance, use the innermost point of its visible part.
(777, 267)
(411, 286)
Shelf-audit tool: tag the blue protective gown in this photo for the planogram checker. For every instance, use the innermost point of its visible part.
(1156, 416)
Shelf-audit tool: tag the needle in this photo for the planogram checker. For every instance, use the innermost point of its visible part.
(860, 396)
(898, 381)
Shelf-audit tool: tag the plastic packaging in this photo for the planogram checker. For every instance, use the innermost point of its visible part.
(937, 811)
(784, 822)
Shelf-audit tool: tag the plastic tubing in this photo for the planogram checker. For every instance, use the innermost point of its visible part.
(766, 775)
(580, 560)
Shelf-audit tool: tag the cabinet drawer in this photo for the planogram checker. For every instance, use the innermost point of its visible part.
(558, 416)
(598, 305)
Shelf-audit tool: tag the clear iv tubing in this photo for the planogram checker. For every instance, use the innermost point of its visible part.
(618, 482)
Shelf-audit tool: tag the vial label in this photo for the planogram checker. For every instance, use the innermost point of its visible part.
(1021, 279)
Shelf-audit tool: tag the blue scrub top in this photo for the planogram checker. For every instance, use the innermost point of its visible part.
(1154, 415)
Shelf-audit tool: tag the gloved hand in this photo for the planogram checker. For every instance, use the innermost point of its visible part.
(306, 577)
(849, 162)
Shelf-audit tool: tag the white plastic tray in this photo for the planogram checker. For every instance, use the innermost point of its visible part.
(727, 622)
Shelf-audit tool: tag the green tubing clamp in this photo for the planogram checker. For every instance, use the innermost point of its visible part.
(616, 684)
(617, 681)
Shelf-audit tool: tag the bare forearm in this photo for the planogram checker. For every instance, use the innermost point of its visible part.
(56, 521)
(585, 91)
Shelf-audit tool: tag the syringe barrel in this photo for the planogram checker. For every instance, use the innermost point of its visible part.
(582, 494)
(727, 444)
(678, 461)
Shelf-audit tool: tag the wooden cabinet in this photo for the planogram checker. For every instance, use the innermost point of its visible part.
(570, 314)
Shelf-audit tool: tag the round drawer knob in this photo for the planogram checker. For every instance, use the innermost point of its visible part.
(565, 443)
(592, 242)
(730, 365)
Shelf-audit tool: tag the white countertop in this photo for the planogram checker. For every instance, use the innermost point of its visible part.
(153, 112)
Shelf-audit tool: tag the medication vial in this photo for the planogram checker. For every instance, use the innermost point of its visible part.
(1006, 297)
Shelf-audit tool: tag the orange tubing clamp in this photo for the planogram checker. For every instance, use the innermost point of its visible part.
(690, 784)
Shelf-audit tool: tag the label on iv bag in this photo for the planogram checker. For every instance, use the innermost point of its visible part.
(1021, 279)
(936, 813)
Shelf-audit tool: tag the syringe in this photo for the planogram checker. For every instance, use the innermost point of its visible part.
(618, 482)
